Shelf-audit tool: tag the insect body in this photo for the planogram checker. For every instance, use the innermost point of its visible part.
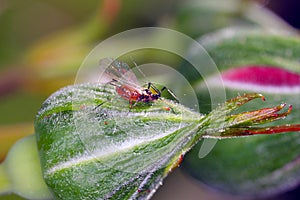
(127, 85)
(137, 94)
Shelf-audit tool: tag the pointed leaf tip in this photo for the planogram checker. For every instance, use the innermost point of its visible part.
(242, 124)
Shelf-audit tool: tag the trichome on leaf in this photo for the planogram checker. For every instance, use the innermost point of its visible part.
(114, 152)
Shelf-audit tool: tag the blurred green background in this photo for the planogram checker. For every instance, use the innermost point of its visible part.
(42, 44)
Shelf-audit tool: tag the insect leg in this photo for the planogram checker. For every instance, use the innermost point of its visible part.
(170, 92)
(112, 82)
(152, 86)
(99, 105)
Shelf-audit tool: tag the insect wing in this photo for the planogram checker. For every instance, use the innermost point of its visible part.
(119, 72)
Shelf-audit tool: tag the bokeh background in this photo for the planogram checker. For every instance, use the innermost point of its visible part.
(43, 43)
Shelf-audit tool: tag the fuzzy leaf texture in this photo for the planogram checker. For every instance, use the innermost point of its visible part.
(92, 145)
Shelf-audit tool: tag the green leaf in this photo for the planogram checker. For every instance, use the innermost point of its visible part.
(21, 174)
(94, 145)
(110, 151)
(253, 166)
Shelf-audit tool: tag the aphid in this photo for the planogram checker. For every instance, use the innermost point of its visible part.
(127, 85)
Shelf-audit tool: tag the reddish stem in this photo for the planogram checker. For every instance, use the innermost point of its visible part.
(274, 129)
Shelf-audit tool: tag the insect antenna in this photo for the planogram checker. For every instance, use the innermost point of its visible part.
(137, 67)
(152, 86)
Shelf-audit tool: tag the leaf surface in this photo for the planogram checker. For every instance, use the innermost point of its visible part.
(95, 145)
(254, 61)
